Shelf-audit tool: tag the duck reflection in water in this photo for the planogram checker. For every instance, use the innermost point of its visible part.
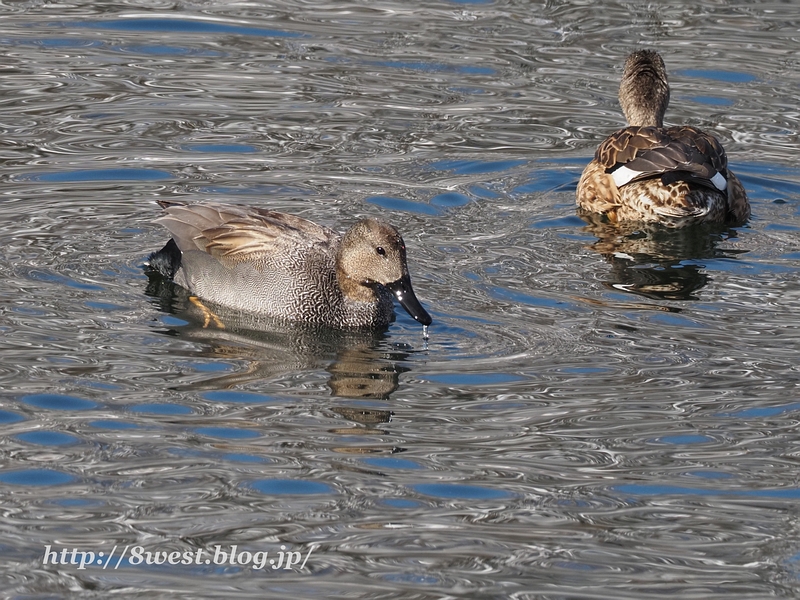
(657, 262)
(360, 362)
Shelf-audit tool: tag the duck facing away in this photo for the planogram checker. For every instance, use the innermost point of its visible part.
(284, 266)
(675, 176)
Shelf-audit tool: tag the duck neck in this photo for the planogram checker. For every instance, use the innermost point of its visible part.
(639, 119)
(644, 90)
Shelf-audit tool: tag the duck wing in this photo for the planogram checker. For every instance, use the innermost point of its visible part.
(682, 153)
(234, 234)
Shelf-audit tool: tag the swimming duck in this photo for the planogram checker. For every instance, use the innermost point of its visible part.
(284, 266)
(646, 172)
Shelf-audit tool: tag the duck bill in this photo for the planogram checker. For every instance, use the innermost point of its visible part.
(404, 293)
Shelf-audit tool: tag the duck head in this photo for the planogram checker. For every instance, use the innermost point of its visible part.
(373, 253)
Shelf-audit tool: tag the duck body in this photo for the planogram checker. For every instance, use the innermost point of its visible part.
(676, 176)
(280, 265)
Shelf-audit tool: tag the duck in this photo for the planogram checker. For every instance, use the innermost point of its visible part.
(673, 176)
(284, 266)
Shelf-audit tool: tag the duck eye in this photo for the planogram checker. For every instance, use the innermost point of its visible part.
(380, 251)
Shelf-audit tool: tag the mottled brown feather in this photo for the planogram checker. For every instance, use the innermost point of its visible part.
(675, 165)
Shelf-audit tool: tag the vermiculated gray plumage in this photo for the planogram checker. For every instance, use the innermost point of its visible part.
(265, 262)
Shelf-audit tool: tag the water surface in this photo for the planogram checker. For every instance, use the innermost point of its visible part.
(594, 415)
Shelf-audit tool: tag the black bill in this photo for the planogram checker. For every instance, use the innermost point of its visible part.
(405, 296)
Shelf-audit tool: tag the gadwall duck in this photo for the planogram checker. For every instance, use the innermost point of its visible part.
(284, 266)
(675, 176)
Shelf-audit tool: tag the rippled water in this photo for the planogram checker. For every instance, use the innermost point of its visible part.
(596, 414)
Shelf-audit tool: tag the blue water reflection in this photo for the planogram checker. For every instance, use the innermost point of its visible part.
(685, 439)
(711, 100)
(400, 204)
(48, 438)
(727, 76)
(282, 487)
(475, 167)
(7, 417)
(763, 411)
(85, 175)
(674, 490)
(181, 26)
(36, 477)
(450, 199)
(455, 491)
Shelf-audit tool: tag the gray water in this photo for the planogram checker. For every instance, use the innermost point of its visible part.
(595, 415)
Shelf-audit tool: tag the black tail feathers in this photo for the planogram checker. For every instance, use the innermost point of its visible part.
(166, 261)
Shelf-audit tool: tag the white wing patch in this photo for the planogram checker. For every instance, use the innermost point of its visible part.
(719, 182)
(623, 175)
